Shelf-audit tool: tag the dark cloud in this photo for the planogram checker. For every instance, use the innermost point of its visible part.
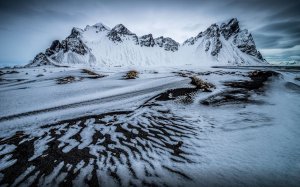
(290, 11)
(283, 34)
(274, 23)
(283, 27)
(265, 41)
(11, 11)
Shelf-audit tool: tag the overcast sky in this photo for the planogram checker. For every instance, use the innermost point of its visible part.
(28, 27)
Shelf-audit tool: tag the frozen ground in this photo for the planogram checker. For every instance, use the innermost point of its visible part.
(63, 126)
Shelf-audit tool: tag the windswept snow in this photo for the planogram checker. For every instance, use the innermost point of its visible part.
(152, 130)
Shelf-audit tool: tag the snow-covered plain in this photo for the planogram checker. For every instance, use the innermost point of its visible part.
(112, 131)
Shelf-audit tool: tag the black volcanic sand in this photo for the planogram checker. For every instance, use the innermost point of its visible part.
(162, 124)
(159, 131)
(241, 91)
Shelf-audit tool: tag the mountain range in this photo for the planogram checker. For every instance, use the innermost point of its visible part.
(98, 45)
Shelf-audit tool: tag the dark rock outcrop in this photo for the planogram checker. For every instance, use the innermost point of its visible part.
(167, 43)
(55, 47)
(241, 91)
(40, 60)
(244, 41)
(147, 40)
(230, 28)
(202, 85)
(189, 41)
(212, 39)
(216, 46)
(119, 33)
(73, 43)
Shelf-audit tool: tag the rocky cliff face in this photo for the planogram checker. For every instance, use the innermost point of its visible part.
(229, 31)
(120, 33)
(244, 41)
(230, 28)
(40, 60)
(147, 40)
(74, 43)
(167, 43)
(225, 42)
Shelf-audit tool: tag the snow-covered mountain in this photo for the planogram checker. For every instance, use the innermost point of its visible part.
(98, 45)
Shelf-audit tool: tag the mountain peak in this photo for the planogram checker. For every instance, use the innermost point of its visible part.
(118, 33)
(230, 28)
(98, 26)
(212, 31)
(120, 28)
(101, 25)
(75, 32)
(211, 38)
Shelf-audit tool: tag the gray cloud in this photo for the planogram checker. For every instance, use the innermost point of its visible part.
(283, 34)
(193, 27)
(290, 11)
(265, 40)
(283, 27)
(35, 23)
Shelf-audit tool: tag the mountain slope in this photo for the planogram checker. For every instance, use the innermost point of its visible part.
(98, 45)
(225, 43)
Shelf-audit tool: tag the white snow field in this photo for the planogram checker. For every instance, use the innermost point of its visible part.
(67, 126)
